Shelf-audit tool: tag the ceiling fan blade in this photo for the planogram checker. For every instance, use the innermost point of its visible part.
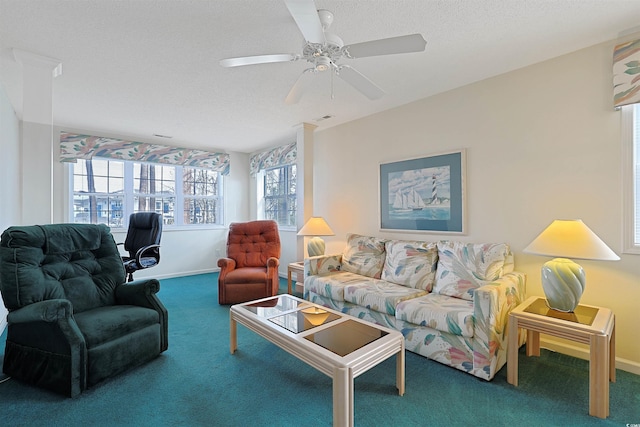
(299, 87)
(258, 59)
(305, 14)
(360, 82)
(390, 46)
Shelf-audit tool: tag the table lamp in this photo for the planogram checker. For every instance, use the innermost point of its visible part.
(563, 280)
(316, 226)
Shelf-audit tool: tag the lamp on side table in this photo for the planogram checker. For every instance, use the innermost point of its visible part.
(563, 280)
(316, 226)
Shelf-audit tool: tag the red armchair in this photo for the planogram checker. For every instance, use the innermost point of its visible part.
(250, 270)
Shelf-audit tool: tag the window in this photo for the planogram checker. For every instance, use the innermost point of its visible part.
(108, 191)
(631, 177)
(201, 202)
(98, 192)
(279, 195)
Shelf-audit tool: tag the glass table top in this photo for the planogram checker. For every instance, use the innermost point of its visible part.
(299, 316)
(583, 315)
(304, 319)
(275, 306)
(346, 337)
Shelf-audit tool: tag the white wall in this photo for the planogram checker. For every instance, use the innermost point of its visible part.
(288, 244)
(542, 143)
(10, 190)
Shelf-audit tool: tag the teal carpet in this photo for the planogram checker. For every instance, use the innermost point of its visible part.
(197, 382)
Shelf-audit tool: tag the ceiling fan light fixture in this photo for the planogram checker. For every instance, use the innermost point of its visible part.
(322, 63)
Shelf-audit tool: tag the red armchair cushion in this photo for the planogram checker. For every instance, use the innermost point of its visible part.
(252, 243)
(247, 275)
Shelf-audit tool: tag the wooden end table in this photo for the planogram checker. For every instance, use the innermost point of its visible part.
(594, 326)
(298, 268)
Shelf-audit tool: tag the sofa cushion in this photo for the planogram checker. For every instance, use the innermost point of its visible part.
(364, 255)
(378, 295)
(410, 263)
(106, 324)
(247, 275)
(463, 267)
(441, 312)
(332, 285)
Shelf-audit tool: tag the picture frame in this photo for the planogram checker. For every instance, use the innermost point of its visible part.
(424, 194)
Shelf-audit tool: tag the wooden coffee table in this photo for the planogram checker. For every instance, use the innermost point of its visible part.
(336, 344)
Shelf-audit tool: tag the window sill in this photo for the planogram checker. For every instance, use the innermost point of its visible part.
(167, 229)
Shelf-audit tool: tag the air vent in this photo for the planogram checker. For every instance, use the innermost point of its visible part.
(157, 135)
(324, 118)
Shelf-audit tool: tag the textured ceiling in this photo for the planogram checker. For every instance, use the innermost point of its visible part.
(142, 67)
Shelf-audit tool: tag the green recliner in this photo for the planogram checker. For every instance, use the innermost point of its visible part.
(73, 319)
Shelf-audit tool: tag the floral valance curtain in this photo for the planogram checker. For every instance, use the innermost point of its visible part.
(279, 156)
(74, 146)
(626, 73)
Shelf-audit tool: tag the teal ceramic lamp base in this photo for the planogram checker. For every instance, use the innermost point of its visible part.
(315, 247)
(563, 282)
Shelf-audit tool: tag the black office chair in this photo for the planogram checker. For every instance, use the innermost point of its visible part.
(142, 242)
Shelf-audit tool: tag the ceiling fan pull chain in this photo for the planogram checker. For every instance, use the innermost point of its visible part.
(332, 85)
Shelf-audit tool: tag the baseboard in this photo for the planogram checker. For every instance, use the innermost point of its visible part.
(179, 274)
(583, 353)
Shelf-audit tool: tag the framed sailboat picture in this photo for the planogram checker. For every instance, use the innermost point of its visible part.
(424, 194)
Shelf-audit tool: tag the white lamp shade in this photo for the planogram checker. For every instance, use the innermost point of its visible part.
(571, 239)
(316, 226)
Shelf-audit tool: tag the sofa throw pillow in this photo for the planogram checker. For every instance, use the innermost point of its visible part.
(411, 263)
(463, 267)
(363, 255)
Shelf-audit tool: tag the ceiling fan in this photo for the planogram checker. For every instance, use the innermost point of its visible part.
(324, 50)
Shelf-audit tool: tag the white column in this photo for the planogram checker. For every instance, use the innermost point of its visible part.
(37, 136)
(304, 184)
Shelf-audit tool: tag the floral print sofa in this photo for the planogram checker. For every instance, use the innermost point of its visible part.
(449, 299)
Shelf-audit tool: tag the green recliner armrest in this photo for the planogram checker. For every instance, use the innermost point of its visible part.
(142, 293)
(48, 311)
(54, 311)
(33, 333)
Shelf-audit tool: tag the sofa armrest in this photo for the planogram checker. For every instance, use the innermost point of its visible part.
(137, 293)
(226, 265)
(142, 293)
(321, 265)
(492, 304)
(52, 310)
(273, 263)
(57, 315)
